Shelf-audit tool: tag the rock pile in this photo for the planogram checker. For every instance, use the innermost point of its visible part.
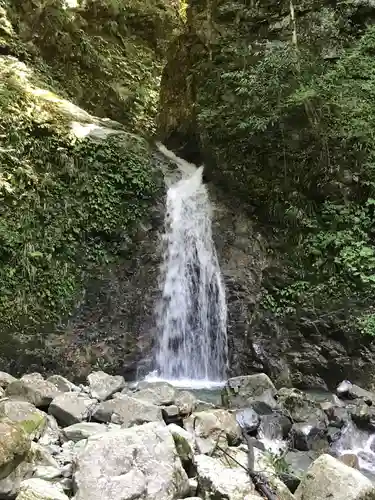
(110, 440)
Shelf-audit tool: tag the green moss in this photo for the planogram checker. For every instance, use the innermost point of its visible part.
(106, 55)
(68, 206)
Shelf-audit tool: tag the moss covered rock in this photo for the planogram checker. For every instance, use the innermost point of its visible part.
(73, 187)
(14, 446)
(278, 99)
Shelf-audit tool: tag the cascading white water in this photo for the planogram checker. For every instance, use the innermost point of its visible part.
(191, 314)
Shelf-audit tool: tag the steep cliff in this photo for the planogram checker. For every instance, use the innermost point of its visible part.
(75, 185)
(277, 97)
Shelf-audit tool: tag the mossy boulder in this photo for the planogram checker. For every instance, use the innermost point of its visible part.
(14, 445)
(32, 420)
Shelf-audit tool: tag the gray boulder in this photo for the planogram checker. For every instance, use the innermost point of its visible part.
(83, 430)
(127, 411)
(299, 406)
(30, 418)
(137, 463)
(62, 384)
(71, 407)
(34, 389)
(103, 386)
(158, 393)
(309, 436)
(327, 477)
(186, 403)
(6, 379)
(216, 480)
(239, 392)
(213, 427)
(38, 489)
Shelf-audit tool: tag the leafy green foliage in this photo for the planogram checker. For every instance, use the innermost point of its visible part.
(67, 206)
(106, 55)
(288, 124)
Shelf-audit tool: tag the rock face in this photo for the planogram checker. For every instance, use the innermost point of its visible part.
(328, 477)
(130, 464)
(287, 306)
(97, 293)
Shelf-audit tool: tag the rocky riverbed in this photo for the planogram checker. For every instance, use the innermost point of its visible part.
(113, 440)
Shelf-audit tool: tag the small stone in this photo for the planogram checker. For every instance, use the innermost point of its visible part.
(6, 379)
(34, 389)
(193, 486)
(103, 386)
(62, 384)
(127, 411)
(83, 430)
(47, 472)
(349, 459)
(38, 489)
(67, 470)
(50, 435)
(71, 407)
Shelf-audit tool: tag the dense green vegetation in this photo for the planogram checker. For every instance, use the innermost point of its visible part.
(73, 187)
(287, 118)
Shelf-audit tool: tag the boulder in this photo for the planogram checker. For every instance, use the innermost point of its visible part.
(363, 416)
(127, 411)
(30, 418)
(160, 394)
(83, 430)
(62, 384)
(50, 435)
(185, 444)
(349, 459)
(337, 415)
(170, 414)
(213, 427)
(6, 379)
(71, 407)
(298, 462)
(38, 489)
(186, 403)
(34, 389)
(14, 445)
(348, 390)
(103, 386)
(299, 406)
(309, 436)
(274, 426)
(240, 391)
(327, 477)
(141, 462)
(36, 458)
(248, 419)
(266, 467)
(215, 480)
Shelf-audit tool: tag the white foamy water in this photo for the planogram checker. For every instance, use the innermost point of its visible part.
(361, 443)
(191, 314)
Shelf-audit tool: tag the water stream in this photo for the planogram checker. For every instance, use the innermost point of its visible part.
(191, 313)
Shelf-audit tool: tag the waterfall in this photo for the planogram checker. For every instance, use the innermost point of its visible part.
(191, 313)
